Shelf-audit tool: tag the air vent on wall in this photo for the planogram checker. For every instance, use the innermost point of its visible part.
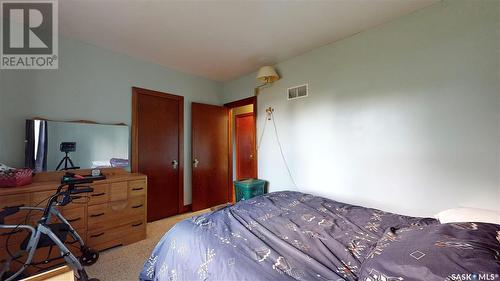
(296, 92)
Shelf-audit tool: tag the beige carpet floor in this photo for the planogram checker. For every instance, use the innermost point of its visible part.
(125, 263)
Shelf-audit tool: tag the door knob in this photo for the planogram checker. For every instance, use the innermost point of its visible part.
(195, 163)
(175, 164)
(251, 156)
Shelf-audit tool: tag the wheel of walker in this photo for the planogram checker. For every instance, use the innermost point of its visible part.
(89, 257)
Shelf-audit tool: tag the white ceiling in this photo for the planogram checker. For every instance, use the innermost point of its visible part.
(221, 40)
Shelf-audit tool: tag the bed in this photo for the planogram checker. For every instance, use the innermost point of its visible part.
(296, 236)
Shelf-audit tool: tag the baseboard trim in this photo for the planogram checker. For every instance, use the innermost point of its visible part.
(221, 206)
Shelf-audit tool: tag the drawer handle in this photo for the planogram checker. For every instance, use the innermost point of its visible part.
(97, 215)
(75, 219)
(11, 233)
(137, 224)
(137, 206)
(97, 235)
(98, 194)
(137, 188)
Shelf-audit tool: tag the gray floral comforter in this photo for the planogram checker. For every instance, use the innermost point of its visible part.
(295, 236)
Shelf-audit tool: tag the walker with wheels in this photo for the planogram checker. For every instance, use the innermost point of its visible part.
(47, 233)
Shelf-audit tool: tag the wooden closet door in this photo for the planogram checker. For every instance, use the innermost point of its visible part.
(246, 164)
(158, 150)
(210, 155)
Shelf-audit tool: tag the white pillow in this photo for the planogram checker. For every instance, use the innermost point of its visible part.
(468, 215)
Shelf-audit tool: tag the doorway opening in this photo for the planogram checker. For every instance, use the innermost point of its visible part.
(242, 140)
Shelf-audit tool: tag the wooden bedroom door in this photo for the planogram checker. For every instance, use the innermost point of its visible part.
(246, 164)
(157, 149)
(210, 155)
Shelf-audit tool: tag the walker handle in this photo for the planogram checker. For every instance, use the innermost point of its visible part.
(8, 211)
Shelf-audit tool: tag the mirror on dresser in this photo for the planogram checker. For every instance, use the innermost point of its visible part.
(57, 145)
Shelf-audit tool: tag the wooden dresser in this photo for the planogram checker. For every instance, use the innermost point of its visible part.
(113, 214)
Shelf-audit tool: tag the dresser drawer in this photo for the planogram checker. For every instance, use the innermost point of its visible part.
(118, 191)
(77, 217)
(124, 210)
(115, 213)
(101, 236)
(40, 199)
(133, 231)
(15, 200)
(136, 231)
(99, 195)
(136, 206)
(98, 216)
(137, 188)
(23, 217)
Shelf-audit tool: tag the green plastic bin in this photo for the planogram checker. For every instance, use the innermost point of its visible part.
(248, 188)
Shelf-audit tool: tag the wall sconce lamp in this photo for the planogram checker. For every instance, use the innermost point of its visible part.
(267, 75)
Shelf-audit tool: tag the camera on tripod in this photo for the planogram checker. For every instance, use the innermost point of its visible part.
(67, 147)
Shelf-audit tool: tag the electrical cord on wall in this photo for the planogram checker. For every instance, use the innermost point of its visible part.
(270, 116)
(262, 134)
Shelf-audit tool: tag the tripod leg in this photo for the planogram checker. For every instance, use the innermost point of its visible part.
(60, 163)
(71, 162)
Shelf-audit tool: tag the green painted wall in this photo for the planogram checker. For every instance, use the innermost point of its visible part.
(92, 84)
(404, 117)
